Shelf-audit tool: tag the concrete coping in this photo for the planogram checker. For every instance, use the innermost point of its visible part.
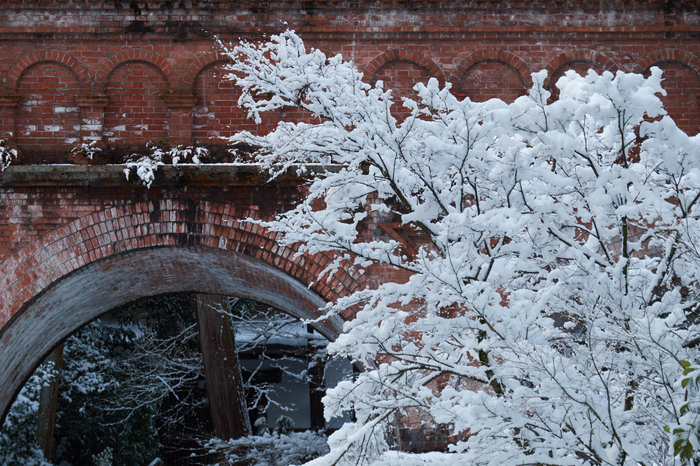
(222, 174)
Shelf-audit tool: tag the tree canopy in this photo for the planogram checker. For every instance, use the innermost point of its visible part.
(549, 309)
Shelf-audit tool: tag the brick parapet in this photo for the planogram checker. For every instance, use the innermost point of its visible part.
(56, 232)
(157, 18)
(160, 72)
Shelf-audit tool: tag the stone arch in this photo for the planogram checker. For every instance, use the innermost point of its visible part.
(681, 81)
(405, 55)
(508, 62)
(40, 56)
(197, 66)
(573, 59)
(134, 55)
(77, 272)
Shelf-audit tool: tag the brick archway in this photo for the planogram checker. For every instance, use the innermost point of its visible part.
(675, 55)
(577, 56)
(137, 55)
(203, 61)
(404, 55)
(79, 271)
(40, 56)
(485, 55)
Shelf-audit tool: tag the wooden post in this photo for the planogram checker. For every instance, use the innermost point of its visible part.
(316, 388)
(48, 399)
(222, 372)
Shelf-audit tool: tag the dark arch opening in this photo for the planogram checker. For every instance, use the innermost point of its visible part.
(133, 385)
(93, 290)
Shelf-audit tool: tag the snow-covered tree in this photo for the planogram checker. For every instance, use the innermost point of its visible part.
(129, 389)
(18, 436)
(117, 375)
(550, 254)
(277, 448)
(6, 155)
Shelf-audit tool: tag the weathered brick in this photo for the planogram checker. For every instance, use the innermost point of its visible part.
(85, 70)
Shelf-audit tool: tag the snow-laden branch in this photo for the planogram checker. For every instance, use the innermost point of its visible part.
(7, 155)
(551, 291)
(145, 166)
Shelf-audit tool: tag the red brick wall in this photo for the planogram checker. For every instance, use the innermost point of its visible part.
(136, 112)
(489, 79)
(216, 113)
(400, 76)
(125, 73)
(47, 119)
(682, 85)
(154, 65)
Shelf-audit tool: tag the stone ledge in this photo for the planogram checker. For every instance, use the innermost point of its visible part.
(168, 176)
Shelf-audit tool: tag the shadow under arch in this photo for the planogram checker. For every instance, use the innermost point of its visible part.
(92, 290)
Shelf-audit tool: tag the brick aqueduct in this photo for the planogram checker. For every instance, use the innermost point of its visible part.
(77, 239)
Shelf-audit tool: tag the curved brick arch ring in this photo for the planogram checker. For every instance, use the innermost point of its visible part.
(196, 67)
(77, 272)
(485, 55)
(675, 55)
(57, 56)
(412, 56)
(569, 56)
(134, 55)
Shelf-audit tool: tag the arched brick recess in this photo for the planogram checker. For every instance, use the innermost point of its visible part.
(216, 113)
(681, 81)
(136, 112)
(136, 55)
(486, 74)
(197, 66)
(47, 120)
(415, 57)
(579, 60)
(58, 56)
(663, 55)
(400, 70)
(75, 273)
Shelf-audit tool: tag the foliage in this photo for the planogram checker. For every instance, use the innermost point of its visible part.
(6, 155)
(96, 409)
(84, 149)
(103, 459)
(279, 448)
(18, 444)
(550, 256)
(145, 166)
(116, 378)
(685, 434)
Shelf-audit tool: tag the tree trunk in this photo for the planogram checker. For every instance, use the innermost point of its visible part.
(48, 399)
(221, 369)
